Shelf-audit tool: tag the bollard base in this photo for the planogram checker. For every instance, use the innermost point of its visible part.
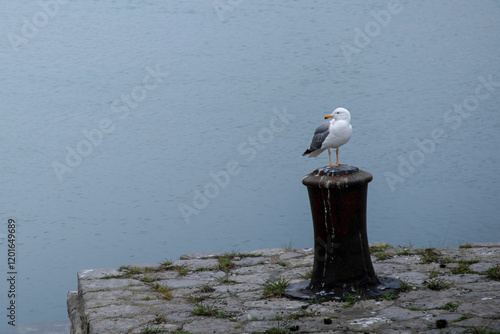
(387, 285)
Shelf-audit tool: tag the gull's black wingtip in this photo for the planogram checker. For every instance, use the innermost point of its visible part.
(307, 152)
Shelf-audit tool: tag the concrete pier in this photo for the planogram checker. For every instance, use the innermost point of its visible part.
(443, 291)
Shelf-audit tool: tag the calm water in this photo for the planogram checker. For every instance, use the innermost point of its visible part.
(183, 92)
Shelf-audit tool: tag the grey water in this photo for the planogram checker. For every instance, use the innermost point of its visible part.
(136, 131)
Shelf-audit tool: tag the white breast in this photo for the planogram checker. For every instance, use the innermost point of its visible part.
(339, 133)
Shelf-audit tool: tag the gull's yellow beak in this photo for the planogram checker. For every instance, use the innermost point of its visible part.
(328, 116)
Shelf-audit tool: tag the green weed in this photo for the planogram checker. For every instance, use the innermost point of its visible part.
(207, 288)
(405, 251)
(429, 255)
(493, 273)
(433, 274)
(351, 299)
(164, 290)
(449, 306)
(389, 296)
(287, 247)
(275, 287)
(382, 256)
(436, 284)
(208, 310)
(150, 330)
(405, 286)
(307, 275)
(226, 263)
(379, 248)
(148, 279)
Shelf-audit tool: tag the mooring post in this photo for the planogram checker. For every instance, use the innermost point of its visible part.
(342, 264)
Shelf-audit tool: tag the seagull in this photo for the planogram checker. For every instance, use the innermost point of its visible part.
(331, 134)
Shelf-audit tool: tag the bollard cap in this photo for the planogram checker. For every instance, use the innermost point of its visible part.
(343, 176)
(336, 170)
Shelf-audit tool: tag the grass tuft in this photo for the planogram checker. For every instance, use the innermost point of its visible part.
(151, 330)
(307, 275)
(351, 299)
(449, 306)
(433, 274)
(226, 279)
(208, 311)
(382, 256)
(413, 308)
(463, 267)
(148, 279)
(111, 276)
(197, 298)
(389, 296)
(287, 247)
(164, 290)
(405, 286)
(182, 270)
(179, 330)
(446, 260)
(160, 319)
(429, 255)
(493, 273)
(436, 284)
(226, 263)
(166, 263)
(316, 300)
(131, 271)
(301, 314)
(378, 251)
(405, 251)
(204, 269)
(275, 287)
(379, 248)
(207, 288)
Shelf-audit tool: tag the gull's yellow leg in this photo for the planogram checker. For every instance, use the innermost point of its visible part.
(337, 164)
(330, 157)
(337, 155)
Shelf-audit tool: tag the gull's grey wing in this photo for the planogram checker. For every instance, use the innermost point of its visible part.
(319, 137)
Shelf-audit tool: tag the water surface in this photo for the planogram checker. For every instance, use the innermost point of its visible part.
(222, 77)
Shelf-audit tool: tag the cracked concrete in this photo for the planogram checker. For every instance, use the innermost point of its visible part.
(110, 300)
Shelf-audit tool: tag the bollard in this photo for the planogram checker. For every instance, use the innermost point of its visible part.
(342, 262)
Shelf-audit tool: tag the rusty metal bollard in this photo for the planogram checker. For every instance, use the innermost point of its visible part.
(342, 263)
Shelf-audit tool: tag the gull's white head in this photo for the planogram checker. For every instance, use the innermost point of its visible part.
(340, 114)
